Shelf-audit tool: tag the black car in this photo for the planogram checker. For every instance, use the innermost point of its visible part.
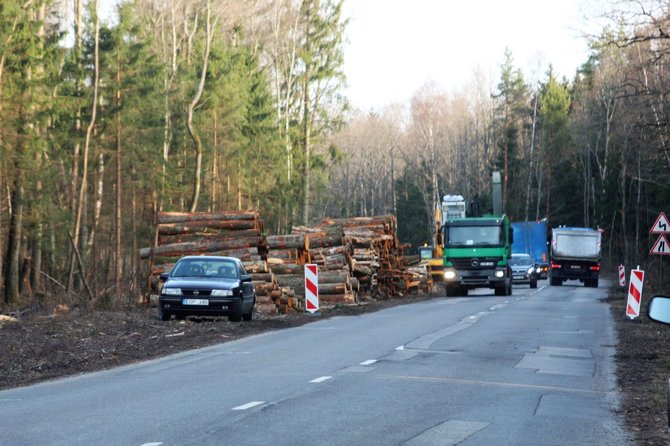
(207, 285)
(524, 269)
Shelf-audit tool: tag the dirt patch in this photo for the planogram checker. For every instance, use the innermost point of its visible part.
(643, 369)
(39, 347)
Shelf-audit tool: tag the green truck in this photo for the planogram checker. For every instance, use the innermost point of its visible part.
(476, 249)
(476, 255)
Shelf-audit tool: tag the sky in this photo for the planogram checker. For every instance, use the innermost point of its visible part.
(396, 46)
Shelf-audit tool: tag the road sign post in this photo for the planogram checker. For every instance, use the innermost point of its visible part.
(661, 247)
(634, 293)
(622, 276)
(311, 288)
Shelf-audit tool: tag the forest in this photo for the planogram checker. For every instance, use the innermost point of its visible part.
(213, 105)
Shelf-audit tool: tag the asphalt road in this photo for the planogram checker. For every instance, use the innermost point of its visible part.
(534, 368)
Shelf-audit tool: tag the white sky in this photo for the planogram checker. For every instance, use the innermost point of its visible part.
(396, 46)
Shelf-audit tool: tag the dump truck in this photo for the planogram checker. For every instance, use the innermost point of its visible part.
(575, 255)
(530, 237)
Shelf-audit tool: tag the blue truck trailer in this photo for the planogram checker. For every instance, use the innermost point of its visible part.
(531, 237)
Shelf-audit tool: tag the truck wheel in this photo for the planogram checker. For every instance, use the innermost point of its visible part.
(501, 290)
(463, 291)
(508, 288)
(591, 283)
(452, 291)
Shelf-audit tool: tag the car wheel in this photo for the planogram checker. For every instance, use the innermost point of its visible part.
(163, 315)
(236, 315)
(248, 316)
(533, 283)
(555, 282)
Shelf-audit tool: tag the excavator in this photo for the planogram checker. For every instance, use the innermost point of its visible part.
(452, 206)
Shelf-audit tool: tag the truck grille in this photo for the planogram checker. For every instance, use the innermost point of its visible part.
(475, 263)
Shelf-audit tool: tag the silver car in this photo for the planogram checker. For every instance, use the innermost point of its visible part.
(524, 269)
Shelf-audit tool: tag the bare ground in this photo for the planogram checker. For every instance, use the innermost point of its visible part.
(42, 346)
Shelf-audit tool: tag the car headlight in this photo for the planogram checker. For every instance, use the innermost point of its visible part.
(530, 270)
(538, 270)
(449, 274)
(171, 291)
(500, 273)
(222, 292)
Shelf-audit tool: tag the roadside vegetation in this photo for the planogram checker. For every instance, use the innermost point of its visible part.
(209, 105)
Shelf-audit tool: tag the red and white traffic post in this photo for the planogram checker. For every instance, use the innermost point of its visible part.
(311, 288)
(634, 293)
(622, 276)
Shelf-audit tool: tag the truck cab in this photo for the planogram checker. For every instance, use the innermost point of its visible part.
(476, 254)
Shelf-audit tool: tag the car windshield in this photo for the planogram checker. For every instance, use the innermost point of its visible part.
(520, 261)
(205, 268)
(474, 236)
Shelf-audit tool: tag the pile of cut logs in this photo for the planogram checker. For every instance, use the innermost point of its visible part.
(227, 233)
(355, 256)
(377, 260)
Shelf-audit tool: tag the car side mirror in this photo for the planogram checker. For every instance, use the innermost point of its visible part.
(164, 276)
(245, 278)
(511, 235)
(659, 309)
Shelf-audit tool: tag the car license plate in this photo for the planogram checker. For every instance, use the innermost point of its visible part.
(575, 267)
(195, 302)
(518, 277)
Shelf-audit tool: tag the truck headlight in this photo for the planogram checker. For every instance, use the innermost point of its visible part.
(449, 274)
(500, 273)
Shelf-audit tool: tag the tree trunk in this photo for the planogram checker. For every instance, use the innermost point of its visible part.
(118, 260)
(14, 241)
(197, 142)
(87, 143)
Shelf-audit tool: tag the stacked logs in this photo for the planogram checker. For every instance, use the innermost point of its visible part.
(359, 255)
(328, 250)
(377, 260)
(227, 233)
(287, 255)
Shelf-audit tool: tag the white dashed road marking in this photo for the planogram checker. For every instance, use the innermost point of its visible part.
(368, 362)
(321, 379)
(248, 405)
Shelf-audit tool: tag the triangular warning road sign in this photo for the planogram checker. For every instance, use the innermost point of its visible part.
(661, 225)
(661, 246)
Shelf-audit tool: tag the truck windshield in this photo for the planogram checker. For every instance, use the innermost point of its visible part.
(473, 236)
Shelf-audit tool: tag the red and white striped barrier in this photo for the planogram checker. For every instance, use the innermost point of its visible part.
(634, 293)
(311, 288)
(622, 276)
